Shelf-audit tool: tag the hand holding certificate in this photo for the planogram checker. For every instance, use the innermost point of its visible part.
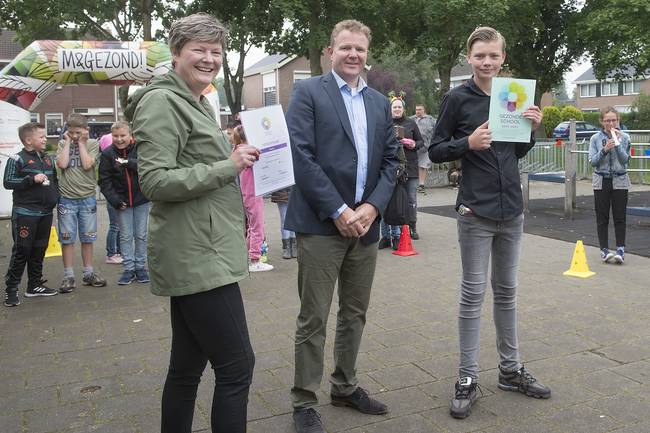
(267, 130)
(509, 99)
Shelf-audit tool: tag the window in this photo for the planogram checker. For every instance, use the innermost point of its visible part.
(270, 94)
(608, 88)
(297, 76)
(631, 87)
(53, 124)
(34, 117)
(587, 90)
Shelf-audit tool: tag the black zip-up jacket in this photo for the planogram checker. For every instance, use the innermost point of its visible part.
(490, 185)
(119, 182)
(28, 195)
(411, 131)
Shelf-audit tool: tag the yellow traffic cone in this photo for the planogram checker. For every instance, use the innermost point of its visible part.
(579, 266)
(53, 245)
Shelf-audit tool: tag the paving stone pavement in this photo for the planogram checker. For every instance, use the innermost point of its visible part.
(95, 360)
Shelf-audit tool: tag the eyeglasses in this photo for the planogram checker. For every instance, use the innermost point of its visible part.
(610, 121)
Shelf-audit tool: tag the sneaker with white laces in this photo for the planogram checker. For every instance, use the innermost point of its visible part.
(464, 398)
(258, 266)
(606, 255)
(524, 382)
(40, 290)
(619, 257)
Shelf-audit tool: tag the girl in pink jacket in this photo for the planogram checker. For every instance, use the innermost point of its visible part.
(254, 209)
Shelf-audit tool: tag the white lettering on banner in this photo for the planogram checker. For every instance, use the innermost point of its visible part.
(101, 60)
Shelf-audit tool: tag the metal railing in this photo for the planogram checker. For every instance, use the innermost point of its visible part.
(572, 157)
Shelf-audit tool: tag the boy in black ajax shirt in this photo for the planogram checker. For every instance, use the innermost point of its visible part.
(31, 175)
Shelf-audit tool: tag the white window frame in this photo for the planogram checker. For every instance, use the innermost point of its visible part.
(612, 87)
(633, 83)
(301, 75)
(35, 117)
(588, 85)
(267, 90)
(48, 117)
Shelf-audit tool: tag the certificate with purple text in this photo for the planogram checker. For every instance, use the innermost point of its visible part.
(266, 129)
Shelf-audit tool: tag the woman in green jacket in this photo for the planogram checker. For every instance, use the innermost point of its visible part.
(197, 251)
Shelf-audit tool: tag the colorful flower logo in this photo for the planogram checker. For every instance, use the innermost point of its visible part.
(513, 96)
(266, 123)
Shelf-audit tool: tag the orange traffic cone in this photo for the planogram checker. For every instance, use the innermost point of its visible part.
(405, 245)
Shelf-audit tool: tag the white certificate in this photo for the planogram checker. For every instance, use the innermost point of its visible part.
(266, 129)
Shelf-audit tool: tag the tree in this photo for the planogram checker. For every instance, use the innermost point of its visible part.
(310, 23)
(404, 72)
(569, 112)
(250, 22)
(541, 41)
(552, 116)
(107, 20)
(438, 29)
(617, 35)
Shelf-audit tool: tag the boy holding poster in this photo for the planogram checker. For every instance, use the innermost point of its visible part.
(490, 218)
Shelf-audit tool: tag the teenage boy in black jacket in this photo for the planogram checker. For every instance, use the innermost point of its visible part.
(31, 175)
(490, 219)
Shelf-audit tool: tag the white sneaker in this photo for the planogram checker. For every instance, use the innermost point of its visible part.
(259, 267)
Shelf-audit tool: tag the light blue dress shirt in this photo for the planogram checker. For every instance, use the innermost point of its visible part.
(353, 100)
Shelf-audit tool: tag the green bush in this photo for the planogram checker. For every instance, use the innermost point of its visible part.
(552, 117)
(570, 112)
(640, 118)
(592, 117)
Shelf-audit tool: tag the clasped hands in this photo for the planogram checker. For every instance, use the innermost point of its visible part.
(356, 223)
(408, 143)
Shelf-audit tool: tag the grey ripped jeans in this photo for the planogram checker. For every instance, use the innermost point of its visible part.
(480, 239)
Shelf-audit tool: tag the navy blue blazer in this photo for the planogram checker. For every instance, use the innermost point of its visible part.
(325, 158)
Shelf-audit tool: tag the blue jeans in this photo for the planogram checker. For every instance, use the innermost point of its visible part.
(479, 238)
(113, 234)
(77, 215)
(286, 234)
(133, 226)
(388, 231)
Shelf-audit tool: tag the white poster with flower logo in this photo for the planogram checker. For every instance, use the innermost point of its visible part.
(266, 129)
(509, 99)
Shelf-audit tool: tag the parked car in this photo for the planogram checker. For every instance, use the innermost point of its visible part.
(583, 130)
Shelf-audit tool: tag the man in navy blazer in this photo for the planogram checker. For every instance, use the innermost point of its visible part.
(344, 156)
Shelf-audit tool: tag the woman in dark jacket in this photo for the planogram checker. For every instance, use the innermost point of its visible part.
(411, 141)
(118, 180)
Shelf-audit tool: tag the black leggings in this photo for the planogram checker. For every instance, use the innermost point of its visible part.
(208, 326)
(616, 199)
(31, 235)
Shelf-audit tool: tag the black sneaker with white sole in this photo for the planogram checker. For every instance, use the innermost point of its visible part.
(524, 382)
(40, 290)
(466, 395)
(11, 299)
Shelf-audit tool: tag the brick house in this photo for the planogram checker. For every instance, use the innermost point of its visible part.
(593, 94)
(270, 81)
(97, 103)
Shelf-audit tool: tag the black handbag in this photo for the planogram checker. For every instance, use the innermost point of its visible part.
(396, 213)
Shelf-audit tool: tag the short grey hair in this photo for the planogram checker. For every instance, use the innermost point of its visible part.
(200, 27)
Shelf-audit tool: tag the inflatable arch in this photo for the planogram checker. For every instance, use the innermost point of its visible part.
(43, 65)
